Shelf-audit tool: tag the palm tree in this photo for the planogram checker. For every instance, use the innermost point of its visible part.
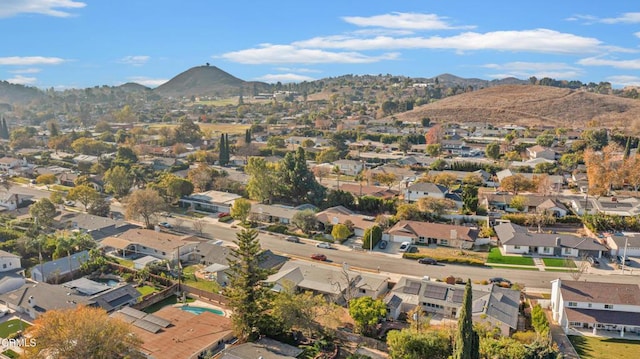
(336, 170)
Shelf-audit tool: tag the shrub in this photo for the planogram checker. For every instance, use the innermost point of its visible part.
(539, 320)
(452, 260)
(569, 219)
(225, 219)
(277, 228)
(519, 219)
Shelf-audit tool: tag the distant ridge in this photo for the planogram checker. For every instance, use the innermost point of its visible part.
(203, 80)
(13, 93)
(530, 105)
(133, 86)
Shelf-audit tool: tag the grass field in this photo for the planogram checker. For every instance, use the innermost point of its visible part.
(189, 276)
(11, 354)
(605, 348)
(12, 326)
(496, 257)
(559, 262)
(230, 128)
(146, 290)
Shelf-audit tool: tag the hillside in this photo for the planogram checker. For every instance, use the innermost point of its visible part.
(133, 87)
(530, 105)
(12, 93)
(203, 81)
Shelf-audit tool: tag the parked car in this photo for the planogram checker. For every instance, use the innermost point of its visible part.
(165, 225)
(500, 281)
(293, 239)
(69, 203)
(319, 257)
(382, 244)
(413, 249)
(4, 312)
(626, 260)
(324, 245)
(593, 261)
(404, 246)
(427, 260)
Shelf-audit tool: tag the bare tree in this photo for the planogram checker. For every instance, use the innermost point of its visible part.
(178, 222)
(583, 267)
(198, 225)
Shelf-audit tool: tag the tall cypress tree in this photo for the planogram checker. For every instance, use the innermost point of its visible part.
(627, 148)
(4, 130)
(467, 343)
(221, 152)
(247, 136)
(227, 152)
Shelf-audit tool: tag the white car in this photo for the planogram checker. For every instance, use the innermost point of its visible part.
(404, 246)
(4, 312)
(324, 245)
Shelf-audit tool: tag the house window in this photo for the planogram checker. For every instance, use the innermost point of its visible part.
(444, 242)
(608, 306)
(572, 304)
(143, 247)
(363, 291)
(164, 254)
(546, 250)
(567, 250)
(589, 305)
(4, 265)
(516, 247)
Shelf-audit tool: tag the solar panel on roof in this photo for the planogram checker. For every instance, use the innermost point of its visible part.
(157, 320)
(148, 326)
(436, 292)
(458, 295)
(125, 318)
(133, 312)
(412, 288)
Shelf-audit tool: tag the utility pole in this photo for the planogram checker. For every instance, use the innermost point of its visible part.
(624, 253)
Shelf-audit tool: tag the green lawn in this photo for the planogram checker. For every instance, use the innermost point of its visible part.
(514, 267)
(60, 188)
(496, 257)
(124, 262)
(20, 180)
(12, 326)
(605, 348)
(559, 262)
(189, 278)
(11, 354)
(146, 290)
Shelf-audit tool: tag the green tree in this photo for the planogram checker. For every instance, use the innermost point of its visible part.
(404, 145)
(467, 342)
(276, 142)
(125, 157)
(83, 194)
(187, 131)
(173, 187)
(263, 184)
(46, 179)
(366, 313)
(545, 139)
(301, 310)
(371, 237)
(118, 181)
(240, 209)
(340, 198)
(493, 150)
(249, 295)
(305, 220)
(340, 232)
(99, 207)
(412, 344)
(299, 183)
(4, 130)
(518, 202)
(144, 203)
(434, 149)
(408, 211)
(223, 155)
(469, 198)
(43, 212)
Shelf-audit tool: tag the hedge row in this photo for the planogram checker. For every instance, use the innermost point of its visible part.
(452, 260)
(569, 219)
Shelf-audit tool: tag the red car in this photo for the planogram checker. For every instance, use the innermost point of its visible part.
(319, 257)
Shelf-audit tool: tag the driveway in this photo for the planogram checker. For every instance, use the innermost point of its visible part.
(560, 338)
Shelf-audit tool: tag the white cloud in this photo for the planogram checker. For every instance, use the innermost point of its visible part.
(292, 69)
(10, 8)
(288, 77)
(145, 81)
(288, 54)
(537, 40)
(137, 60)
(624, 80)
(26, 71)
(637, 34)
(399, 20)
(30, 60)
(626, 18)
(633, 64)
(22, 80)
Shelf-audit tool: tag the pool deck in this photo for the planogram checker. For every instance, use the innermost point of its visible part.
(200, 303)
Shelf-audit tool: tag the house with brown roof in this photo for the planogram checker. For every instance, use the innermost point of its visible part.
(358, 190)
(538, 151)
(175, 333)
(433, 233)
(596, 306)
(340, 215)
(140, 242)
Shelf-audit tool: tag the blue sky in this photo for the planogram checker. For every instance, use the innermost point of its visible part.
(84, 43)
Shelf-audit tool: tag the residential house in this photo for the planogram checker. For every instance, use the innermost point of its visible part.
(67, 179)
(516, 239)
(34, 299)
(340, 215)
(625, 243)
(209, 201)
(272, 213)
(419, 190)
(264, 348)
(98, 227)
(11, 272)
(455, 147)
(428, 233)
(555, 182)
(60, 269)
(13, 201)
(492, 304)
(359, 190)
(162, 245)
(608, 307)
(538, 151)
(172, 332)
(7, 164)
(486, 179)
(532, 204)
(339, 284)
(618, 206)
(349, 167)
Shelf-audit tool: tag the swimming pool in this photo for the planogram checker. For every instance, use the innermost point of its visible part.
(200, 310)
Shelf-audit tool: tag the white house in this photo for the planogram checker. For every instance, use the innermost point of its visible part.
(592, 306)
(9, 262)
(210, 201)
(538, 151)
(624, 243)
(516, 239)
(349, 167)
(147, 242)
(424, 189)
(11, 272)
(9, 163)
